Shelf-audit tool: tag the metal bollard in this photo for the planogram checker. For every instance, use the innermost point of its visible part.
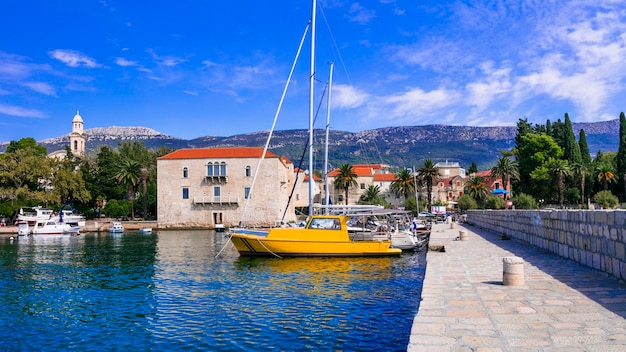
(463, 235)
(513, 271)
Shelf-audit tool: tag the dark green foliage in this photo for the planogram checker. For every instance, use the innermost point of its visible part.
(621, 154)
(571, 147)
(584, 148)
(524, 201)
(473, 168)
(495, 202)
(606, 200)
(466, 202)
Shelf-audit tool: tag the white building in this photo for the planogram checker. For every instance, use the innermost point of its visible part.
(209, 186)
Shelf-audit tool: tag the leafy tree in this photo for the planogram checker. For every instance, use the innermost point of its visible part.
(532, 156)
(505, 169)
(26, 143)
(584, 149)
(477, 189)
(561, 169)
(571, 148)
(128, 175)
(429, 173)
(473, 168)
(115, 208)
(345, 179)
(403, 184)
(606, 199)
(466, 202)
(605, 174)
(494, 202)
(524, 201)
(581, 170)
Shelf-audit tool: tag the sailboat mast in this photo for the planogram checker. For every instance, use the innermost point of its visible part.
(330, 86)
(311, 107)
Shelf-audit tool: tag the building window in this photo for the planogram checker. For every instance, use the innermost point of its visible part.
(209, 169)
(75, 145)
(185, 193)
(248, 171)
(458, 183)
(362, 185)
(223, 169)
(185, 172)
(217, 191)
(247, 192)
(446, 172)
(440, 184)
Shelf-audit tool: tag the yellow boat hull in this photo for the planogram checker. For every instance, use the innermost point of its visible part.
(309, 242)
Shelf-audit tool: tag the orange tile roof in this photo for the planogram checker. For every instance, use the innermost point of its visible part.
(225, 153)
(385, 177)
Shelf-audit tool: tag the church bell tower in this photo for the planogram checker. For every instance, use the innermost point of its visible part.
(77, 136)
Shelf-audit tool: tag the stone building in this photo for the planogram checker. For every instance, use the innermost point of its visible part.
(208, 186)
(367, 175)
(77, 136)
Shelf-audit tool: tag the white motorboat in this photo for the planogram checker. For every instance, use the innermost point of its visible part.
(54, 227)
(145, 230)
(31, 215)
(116, 227)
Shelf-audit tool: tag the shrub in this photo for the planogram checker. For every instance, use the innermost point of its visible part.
(606, 200)
(495, 202)
(466, 202)
(524, 201)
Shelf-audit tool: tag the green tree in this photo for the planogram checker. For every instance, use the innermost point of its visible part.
(429, 173)
(561, 169)
(505, 169)
(571, 149)
(473, 168)
(477, 189)
(372, 196)
(466, 202)
(606, 199)
(584, 148)
(532, 156)
(524, 201)
(26, 143)
(129, 175)
(605, 174)
(403, 184)
(494, 202)
(581, 170)
(345, 179)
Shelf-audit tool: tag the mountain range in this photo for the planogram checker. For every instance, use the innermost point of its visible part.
(395, 146)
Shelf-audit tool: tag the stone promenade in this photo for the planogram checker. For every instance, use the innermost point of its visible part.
(562, 306)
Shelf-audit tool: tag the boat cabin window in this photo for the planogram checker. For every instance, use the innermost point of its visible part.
(325, 223)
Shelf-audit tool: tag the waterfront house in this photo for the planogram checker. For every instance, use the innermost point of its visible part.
(367, 174)
(205, 187)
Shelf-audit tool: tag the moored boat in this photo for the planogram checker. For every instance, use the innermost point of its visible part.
(323, 236)
(116, 227)
(54, 227)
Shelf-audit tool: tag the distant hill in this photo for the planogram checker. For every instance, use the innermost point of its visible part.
(395, 146)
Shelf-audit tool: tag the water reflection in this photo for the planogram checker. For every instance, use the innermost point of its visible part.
(168, 291)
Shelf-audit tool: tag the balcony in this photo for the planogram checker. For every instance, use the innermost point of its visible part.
(216, 179)
(216, 200)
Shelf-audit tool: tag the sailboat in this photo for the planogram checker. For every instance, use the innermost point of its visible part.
(323, 235)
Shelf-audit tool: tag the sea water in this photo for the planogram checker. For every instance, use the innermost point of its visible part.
(169, 291)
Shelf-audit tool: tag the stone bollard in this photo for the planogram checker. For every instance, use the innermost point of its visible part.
(513, 271)
(463, 235)
(453, 225)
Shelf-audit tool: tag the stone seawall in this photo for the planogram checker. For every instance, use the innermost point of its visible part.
(595, 238)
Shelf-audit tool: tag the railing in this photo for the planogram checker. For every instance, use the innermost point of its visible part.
(216, 200)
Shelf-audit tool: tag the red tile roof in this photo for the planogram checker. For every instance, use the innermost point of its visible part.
(222, 153)
(384, 177)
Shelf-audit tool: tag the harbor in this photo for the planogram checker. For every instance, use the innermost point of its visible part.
(561, 305)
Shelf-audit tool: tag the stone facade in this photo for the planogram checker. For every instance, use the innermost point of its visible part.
(209, 186)
(595, 238)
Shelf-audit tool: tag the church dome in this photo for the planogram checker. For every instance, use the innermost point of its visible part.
(77, 118)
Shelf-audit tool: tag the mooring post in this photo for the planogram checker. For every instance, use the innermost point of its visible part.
(513, 271)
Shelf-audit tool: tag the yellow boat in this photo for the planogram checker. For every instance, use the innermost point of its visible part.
(323, 236)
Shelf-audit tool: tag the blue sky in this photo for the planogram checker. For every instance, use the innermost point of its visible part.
(218, 68)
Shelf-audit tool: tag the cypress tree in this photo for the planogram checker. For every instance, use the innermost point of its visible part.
(584, 148)
(621, 152)
(571, 148)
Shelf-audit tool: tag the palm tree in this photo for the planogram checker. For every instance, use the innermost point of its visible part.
(403, 184)
(477, 189)
(128, 175)
(605, 174)
(561, 169)
(506, 170)
(345, 179)
(429, 173)
(371, 195)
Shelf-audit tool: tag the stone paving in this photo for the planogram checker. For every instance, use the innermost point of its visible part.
(561, 306)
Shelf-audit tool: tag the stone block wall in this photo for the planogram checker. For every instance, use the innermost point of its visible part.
(595, 238)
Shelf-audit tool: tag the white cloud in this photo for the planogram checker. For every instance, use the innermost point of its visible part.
(41, 87)
(20, 112)
(73, 58)
(347, 97)
(359, 14)
(123, 62)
